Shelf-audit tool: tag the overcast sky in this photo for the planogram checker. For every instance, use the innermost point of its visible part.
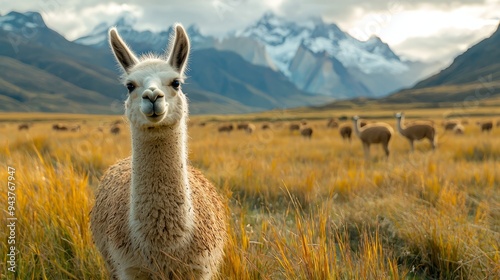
(431, 30)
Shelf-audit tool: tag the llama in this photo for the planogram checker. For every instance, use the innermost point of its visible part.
(332, 123)
(294, 126)
(498, 123)
(345, 132)
(265, 126)
(373, 133)
(242, 126)
(416, 131)
(155, 216)
(115, 129)
(75, 128)
(60, 127)
(486, 126)
(226, 128)
(23, 126)
(459, 129)
(306, 132)
(250, 128)
(449, 125)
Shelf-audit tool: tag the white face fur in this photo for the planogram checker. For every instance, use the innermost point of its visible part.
(155, 97)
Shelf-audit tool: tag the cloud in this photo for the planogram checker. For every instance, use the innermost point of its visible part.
(404, 24)
(443, 46)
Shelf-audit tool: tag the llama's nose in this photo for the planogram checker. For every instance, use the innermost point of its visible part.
(152, 94)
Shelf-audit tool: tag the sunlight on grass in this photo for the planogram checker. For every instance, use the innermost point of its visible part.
(299, 209)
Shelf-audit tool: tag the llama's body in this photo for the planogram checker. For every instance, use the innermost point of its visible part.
(226, 128)
(416, 131)
(185, 252)
(23, 126)
(346, 132)
(294, 126)
(373, 133)
(332, 123)
(306, 132)
(155, 217)
(459, 129)
(486, 126)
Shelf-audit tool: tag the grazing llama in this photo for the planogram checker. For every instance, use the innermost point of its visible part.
(486, 126)
(450, 125)
(373, 133)
(346, 132)
(294, 126)
(459, 129)
(23, 126)
(306, 132)
(332, 123)
(265, 126)
(155, 216)
(417, 130)
(115, 129)
(226, 128)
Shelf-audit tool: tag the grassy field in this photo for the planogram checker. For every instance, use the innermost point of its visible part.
(300, 209)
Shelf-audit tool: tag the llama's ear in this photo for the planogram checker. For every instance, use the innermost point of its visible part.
(123, 54)
(179, 49)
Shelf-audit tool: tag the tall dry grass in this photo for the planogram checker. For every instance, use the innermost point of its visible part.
(299, 209)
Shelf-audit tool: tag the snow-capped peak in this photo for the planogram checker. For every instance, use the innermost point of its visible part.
(17, 22)
(283, 37)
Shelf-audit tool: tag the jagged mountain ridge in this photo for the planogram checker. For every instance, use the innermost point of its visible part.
(280, 44)
(90, 71)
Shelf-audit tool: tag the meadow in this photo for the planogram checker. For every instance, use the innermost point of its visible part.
(298, 208)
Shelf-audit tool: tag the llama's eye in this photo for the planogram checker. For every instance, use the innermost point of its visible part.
(130, 87)
(176, 84)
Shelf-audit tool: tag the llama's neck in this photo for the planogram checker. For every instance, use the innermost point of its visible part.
(400, 126)
(160, 206)
(357, 128)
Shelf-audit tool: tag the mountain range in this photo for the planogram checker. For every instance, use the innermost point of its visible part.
(273, 63)
(318, 57)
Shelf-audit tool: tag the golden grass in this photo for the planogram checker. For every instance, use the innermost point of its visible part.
(300, 209)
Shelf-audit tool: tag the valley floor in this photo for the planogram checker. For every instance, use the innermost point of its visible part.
(299, 208)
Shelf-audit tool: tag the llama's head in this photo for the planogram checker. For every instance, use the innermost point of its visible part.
(155, 97)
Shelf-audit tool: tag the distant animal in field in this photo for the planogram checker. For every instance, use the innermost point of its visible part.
(250, 128)
(75, 128)
(265, 126)
(486, 126)
(345, 132)
(115, 129)
(449, 125)
(362, 123)
(226, 128)
(294, 127)
(373, 133)
(459, 129)
(202, 124)
(498, 123)
(416, 130)
(303, 122)
(23, 126)
(332, 123)
(60, 127)
(306, 132)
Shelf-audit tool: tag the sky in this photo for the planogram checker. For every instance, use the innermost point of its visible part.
(430, 30)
